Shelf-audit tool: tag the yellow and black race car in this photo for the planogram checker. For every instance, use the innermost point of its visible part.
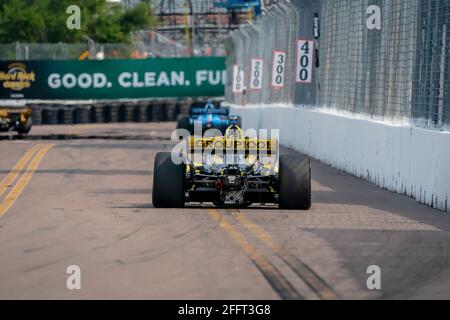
(15, 119)
(232, 170)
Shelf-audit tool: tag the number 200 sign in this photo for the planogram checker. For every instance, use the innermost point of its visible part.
(256, 73)
(304, 62)
(279, 62)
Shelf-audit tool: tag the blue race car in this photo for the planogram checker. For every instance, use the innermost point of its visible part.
(209, 116)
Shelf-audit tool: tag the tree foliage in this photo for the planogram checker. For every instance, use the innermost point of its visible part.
(38, 21)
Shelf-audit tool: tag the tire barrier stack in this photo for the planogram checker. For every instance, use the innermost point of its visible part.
(79, 115)
(64, 115)
(172, 111)
(110, 112)
(49, 116)
(126, 112)
(97, 114)
(158, 114)
(140, 112)
(36, 114)
(184, 107)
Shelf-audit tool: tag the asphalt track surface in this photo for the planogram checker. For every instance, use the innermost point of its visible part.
(81, 195)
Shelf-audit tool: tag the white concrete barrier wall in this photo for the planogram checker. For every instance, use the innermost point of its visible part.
(400, 158)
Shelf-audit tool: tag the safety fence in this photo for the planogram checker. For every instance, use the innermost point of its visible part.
(333, 55)
(146, 45)
(74, 51)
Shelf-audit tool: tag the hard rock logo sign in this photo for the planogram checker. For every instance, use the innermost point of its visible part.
(16, 77)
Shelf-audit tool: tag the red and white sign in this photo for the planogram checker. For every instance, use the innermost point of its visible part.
(278, 66)
(304, 61)
(256, 74)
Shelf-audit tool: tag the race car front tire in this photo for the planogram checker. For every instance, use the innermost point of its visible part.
(295, 182)
(26, 127)
(168, 182)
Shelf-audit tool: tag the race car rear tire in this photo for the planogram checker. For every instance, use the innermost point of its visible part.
(168, 182)
(226, 109)
(239, 122)
(295, 182)
(25, 128)
(183, 122)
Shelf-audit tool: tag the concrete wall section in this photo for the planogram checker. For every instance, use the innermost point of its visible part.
(400, 158)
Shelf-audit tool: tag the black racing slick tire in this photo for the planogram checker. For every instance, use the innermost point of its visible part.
(168, 182)
(239, 122)
(25, 128)
(295, 182)
(183, 122)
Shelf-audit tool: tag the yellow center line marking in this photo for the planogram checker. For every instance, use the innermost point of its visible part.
(24, 180)
(303, 271)
(9, 179)
(236, 235)
(270, 272)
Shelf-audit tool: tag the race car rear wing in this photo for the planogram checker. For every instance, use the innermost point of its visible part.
(222, 145)
(195, 111)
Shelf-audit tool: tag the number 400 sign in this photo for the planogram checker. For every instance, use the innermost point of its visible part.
(304, 62)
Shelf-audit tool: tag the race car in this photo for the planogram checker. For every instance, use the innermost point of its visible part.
(15, 119)
(232, 171)
(206, 117)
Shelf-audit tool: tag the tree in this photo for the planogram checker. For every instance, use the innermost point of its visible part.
(29, 25)
(45, 21)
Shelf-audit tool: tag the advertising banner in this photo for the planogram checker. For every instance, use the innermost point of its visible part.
(113, 79)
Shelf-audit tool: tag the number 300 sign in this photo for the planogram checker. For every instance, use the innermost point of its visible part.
(279, 61)
(304, 62)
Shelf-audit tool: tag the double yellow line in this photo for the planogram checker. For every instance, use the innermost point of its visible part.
(270, 272)
(303, 271)
(36, 154)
